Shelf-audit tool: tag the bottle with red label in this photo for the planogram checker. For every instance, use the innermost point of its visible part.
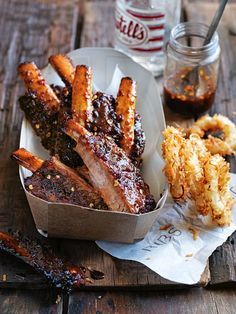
(140, 28)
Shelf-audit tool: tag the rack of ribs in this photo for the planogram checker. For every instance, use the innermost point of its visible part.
(59, 273)
(111, 171)
(49, 107)
(53, 181)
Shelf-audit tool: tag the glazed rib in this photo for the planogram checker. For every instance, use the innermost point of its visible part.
(111, 171)
(48, 123)
(83, 172)
(104, 118)
(105, 121)
(43, 120)
(40, 105)
(36, 85)
(59, 273)
(139, 142)
(64, 67)
(82, 95)
(55, 182)
(125, 109)
(27, 160)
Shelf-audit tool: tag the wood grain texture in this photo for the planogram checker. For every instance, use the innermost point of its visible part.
(98, 24)
(223, 260)
(30, 30)
(191, 301)
(28, 302)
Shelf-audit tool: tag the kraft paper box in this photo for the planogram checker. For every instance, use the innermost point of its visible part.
(72, 221)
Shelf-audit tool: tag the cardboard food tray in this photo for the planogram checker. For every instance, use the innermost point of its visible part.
(72, 221)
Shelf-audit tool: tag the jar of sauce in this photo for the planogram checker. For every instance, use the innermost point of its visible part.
(191, 72)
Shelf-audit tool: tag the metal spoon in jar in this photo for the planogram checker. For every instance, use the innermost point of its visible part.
(192, 76)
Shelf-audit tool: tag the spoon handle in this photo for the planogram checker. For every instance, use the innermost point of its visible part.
(215, 21)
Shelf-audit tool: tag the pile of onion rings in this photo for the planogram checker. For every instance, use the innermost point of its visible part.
(193, 172)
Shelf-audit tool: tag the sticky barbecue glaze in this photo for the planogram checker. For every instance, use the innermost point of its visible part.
(52, 185)
(122, 188)
(59, 273)
(48, 124)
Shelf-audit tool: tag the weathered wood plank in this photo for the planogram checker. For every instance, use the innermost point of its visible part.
(28, 302)
(189, 301)
(98, 27)
(223, 260)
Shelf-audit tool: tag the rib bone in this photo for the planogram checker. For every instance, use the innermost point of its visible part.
(35, 83)
(64, 67)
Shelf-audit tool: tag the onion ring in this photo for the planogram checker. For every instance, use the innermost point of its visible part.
(172, 153)
(196, 154)
(216, 189)
(224, 146)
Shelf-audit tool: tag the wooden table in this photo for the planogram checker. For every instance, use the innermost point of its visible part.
(33, 30)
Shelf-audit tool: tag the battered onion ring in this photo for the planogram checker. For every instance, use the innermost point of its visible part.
(172, 153)
(196, 154)
(224, 146)
(216, 189)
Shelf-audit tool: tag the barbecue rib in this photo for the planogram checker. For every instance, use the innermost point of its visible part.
(55, 182)
(111, 171)
(40, 104)
(104, 117)
(47, 121)
(139, 141)
(59, 273)
(105, 120)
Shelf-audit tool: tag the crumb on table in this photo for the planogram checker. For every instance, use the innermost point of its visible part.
(194, 232)
(165, 227)
(189, 255)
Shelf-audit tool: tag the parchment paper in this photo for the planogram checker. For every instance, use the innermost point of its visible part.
(173, 253)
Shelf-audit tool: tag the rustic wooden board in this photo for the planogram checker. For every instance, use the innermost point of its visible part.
(223, 260)
(55, 31)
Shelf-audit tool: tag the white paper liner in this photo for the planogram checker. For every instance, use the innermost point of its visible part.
(173, 253)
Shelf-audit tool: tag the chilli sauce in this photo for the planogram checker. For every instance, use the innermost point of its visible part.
(186, 98)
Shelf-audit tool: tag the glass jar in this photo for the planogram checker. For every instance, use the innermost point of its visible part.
(191, 72)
